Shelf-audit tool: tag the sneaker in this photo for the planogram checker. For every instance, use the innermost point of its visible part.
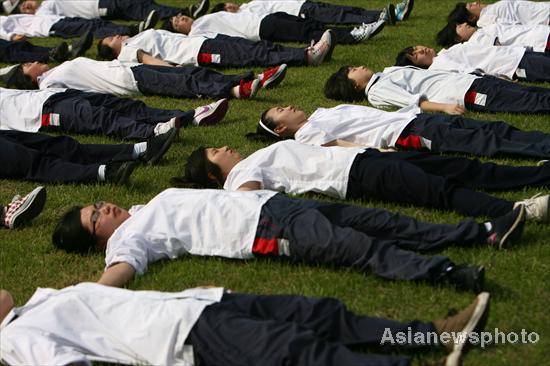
(388, 14)
(158, 146)
(81, 45)
(367, 31)
(272, 77)
(460, 325)
(470, 278)
(211, 114)
(119, 172)
(23, 210)
(507, 229)
(247, 89)
(60, 53)
(541, 162)
(319, 51)
(403, 10)
(164, 127)
(149, 22)
(199, 9)
(536, 207)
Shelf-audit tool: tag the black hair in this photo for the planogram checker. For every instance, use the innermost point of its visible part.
(21, 81)
(218, 7)
(105, 52)
(404, 58)
(167, 25)
(340, 87)
(261, 133)
(197, 170)
(460, 14)
(70, 236)
(447, 36)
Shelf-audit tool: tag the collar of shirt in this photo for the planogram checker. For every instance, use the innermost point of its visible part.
(372, 81)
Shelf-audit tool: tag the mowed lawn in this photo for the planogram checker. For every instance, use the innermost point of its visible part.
(517, 278)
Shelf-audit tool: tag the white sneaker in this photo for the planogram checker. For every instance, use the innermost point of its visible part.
(403, 10)
(164, 127)
(211, 114)
(536, 207)
(367, 31)
(318, 52)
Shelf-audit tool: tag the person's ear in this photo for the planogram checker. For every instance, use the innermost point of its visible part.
(280, 129)
(356, 86)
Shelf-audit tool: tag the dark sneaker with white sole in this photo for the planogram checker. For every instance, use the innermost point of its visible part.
(507, 229)
(119, 172)
(81, 45)
(158, 146)
(464, 277)
(22, 210)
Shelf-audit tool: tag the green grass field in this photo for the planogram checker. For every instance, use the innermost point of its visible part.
(517, 278)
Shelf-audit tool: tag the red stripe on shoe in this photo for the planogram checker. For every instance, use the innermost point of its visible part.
(265, 246)
(470, 97)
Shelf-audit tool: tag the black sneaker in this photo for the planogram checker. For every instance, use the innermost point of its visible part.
(470, 278)
(60, 53)
(149, 22)
(199, 9)
(81, 45)
(158, 146)
(507, 229)
(119, 172)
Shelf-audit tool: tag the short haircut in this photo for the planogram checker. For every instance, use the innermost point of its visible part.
(70, 236)
(447, 36)
(197, 170)
(460, 14)
(340, 87)
(218, 7)
(265, 133)
(167, 25)
(105, 52)
(404, 58)
(21, 81)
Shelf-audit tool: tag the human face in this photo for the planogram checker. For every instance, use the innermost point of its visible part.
(102, 219)
(464, 32)
(360, 75)
(231, 7)
(474, 8)
(182, 23)
(34, 69)
(114, 42)
(28, 7)
(288, 119)
(224, 157)
(422, 56)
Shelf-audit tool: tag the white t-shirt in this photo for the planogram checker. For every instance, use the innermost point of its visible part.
(266, 7)
(186, 221)
(242, 24)
(367, 126)
(469, 56)
(90, 322)
(533, 36)
(27, 25)
(171, 47)
(86, 9)
(292, 167)
(21, 110)
(109, 77)
(403, 86)
(515, 12)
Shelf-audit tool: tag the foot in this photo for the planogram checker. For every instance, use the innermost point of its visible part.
(536, 208)
(158, 146)
(319, 52)
(246, 89)
(22, 210)
(272, 77)
(81, 45)
(211, 114)
(60, 53)
(164, 127)
(460, 325)
(199, 9)
(119, 172)
(388, 14)
(469, 278)
(149, 22)
(403, 10)
(507, 229)
(367, 31)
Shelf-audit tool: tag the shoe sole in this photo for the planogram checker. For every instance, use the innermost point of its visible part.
(518, 224)
(254, 89)
(198, 11)
(217, 114)
(276, 78)
(151, 20)
(377, 30)
(408, 11)
(476, 323)
(328, 56)
(31, 208)
(79, 49)
(164, 148)
(123, 179)
(391, 14)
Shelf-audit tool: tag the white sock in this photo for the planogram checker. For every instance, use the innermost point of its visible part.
(139, 149)
(488, 226)
(101, 173)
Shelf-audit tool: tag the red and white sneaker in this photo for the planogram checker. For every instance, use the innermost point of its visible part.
(247, 89)
(23, 210)
(273, 76)
(211, 114)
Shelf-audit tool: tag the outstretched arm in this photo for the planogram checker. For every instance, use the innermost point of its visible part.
(117, 275)
(147, 59)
